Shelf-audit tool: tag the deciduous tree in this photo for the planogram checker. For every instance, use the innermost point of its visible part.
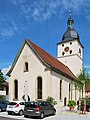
(2, 79)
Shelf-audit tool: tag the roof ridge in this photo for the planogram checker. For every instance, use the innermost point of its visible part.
(46, 52)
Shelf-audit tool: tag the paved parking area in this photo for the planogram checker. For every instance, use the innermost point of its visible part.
(61, 115)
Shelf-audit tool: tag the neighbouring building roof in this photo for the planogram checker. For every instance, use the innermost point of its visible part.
(6, 83)
(47, 59)
(87, 87)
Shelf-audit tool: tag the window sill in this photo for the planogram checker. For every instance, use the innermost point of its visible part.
(26, 71)
(60, 100)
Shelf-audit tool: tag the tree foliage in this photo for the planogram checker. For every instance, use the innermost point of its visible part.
(82, 79)
(2, 78)
(51, 100)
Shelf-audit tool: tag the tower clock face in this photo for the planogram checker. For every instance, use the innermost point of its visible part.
(66, 49)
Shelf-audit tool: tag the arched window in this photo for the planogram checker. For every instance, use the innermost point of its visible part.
(75, 93)
(26, 67)
(80, 51)
(15, 89)
(69, 90)
(63, 53)
(39, 88)
(62, 45)
(70, 43)
(60, 89)
(70, 51)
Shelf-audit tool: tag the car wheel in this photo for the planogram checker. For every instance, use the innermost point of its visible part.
(21, 112)
(41, 115)
(0, 109)
(26, 116)
(54, 112)
(9, 113)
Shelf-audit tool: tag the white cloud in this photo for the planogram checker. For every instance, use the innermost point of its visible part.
(17, 2)
(73, 4)
(36, 14)
(87, 66)
(5, 70)
(89, 72)
(8, 27)
(36, 9)
(7, 33)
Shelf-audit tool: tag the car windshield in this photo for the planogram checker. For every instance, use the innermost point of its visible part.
(3, 102)
(12, 103)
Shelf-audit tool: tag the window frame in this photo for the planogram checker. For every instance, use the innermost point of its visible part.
(60, 94)
(26, 67)
(39, 87)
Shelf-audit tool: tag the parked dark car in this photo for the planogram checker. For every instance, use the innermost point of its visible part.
(3, 105)
(39, 109)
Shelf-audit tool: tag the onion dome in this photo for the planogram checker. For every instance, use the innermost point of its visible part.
(71, 33)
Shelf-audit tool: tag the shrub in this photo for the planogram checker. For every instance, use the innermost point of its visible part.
(51, 100)
(71, 103)
(1, 97)
(87, 101)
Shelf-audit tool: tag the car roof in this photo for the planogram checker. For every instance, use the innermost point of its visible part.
(17, 101)
(38, 101)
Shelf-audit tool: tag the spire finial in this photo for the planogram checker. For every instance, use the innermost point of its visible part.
(70, 13)
(70, 22)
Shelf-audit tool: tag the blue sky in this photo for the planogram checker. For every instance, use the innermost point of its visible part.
(21, 19)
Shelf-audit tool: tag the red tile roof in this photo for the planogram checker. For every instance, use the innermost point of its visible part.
(6, 83)
(87, 87)
(51, 61)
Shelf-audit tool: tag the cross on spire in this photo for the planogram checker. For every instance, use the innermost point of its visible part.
(70, 13)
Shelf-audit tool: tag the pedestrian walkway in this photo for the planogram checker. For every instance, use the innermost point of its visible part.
(61, 114)
(65, 110)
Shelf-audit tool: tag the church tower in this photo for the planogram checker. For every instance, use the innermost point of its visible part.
(70, 49)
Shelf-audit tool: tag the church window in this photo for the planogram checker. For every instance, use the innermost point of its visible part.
(75, 93)
(39, 88)
(60, 89)
(69, 90)
(62, 45)
(63, 53)
(26, 67)
(66, 49)
(15, 89)
(6, 90)
(70, 43)
(80, 51)
(70, 51)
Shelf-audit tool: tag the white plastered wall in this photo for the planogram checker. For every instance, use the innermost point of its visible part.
(36, 69)
(74, 60)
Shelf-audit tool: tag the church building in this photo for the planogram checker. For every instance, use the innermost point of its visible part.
(38, 74)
